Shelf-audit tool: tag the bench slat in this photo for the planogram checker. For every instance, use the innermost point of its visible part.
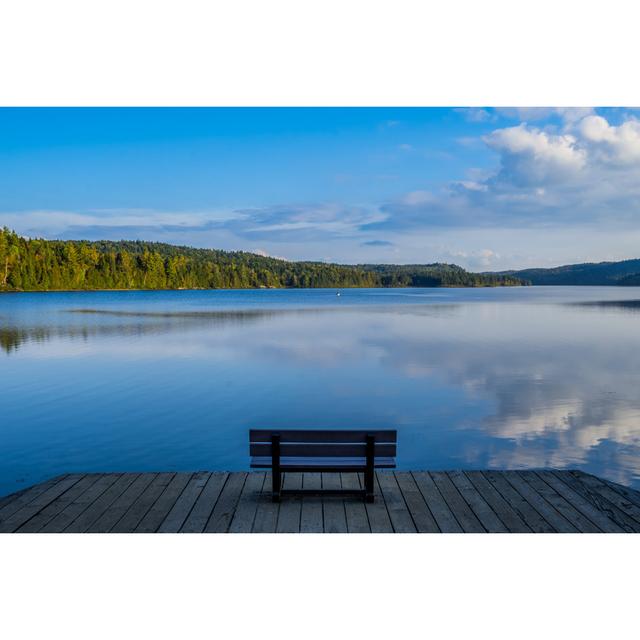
(302, 463)
(323, 436)
(319, 450)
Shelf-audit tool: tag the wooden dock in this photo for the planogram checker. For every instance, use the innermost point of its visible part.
(406, 502)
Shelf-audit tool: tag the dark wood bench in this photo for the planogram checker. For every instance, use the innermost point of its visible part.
(322, 450)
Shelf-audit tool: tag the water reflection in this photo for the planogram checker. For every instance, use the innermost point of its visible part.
(616, 305)
(162, 322)
(478, 385)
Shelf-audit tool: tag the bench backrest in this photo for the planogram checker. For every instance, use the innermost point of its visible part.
(316, 443)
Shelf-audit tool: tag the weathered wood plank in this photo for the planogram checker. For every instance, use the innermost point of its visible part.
(533, 519)
(355, 511)
(614, 497)
(440, 510)
(544, 504)
(379, 519)
(311, 512)
(120, 505)
(59, 504)
(495, 501)
(80, 504)
(141, 506)
(398, 513)
(223, 511)
(99, 506)
(512, 521)
(203, 508)
(22, 515)
(420, 513)
(245, 512)
(184, 503)
(334, 516)
(15, 501)
(630, 494)
(575, 493)
(460, 509)
(480, 507)
(291, 507)
(599, 502)
(165, 502)
(576, 520)
(267, 510)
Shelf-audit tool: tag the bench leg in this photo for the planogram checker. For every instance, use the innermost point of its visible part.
(369, 470)
(275, 468)
(276, 483)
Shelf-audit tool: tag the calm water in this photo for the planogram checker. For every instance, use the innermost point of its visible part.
(472, 378)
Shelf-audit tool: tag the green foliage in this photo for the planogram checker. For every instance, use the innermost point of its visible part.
(437, 275)
(44, 265)
(589, 273)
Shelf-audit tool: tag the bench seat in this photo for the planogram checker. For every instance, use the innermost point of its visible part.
(322, 464)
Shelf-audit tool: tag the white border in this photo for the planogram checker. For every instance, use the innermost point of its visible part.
(318, 52)
(284, 52)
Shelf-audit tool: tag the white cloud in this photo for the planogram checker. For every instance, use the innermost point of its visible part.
(609, 144)
(532, 114)
(531, 156)
(417, 197)
(476, 114)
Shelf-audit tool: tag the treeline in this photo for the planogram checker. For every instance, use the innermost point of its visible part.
(438, 275)
(624, 272)
(47, 265)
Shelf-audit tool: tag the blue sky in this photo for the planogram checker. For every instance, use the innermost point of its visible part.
(484, 188)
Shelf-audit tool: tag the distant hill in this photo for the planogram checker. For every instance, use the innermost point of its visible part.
(626, 272)
(49, 265)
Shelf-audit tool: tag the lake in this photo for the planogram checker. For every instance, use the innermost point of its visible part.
(172, 380)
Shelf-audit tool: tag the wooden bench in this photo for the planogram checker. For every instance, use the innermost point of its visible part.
(322, 450)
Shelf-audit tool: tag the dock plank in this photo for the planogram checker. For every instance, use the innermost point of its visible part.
(576, 520)
(45, 516)
(159, 510)
(245, 512)
(544, 501)
(596, 501)
(121, 504)
(311, 514)
(334, 515)
(379, 519)
(80, 504)
(99, 506)
(442, 514)
(578, 501)
(222, 513)
(13, 502)
(460, 509)
(422, 516)
(267, 511)
(405, 501)
(205, 503)
(354, 506)
(137, 511)
(512, 521)
(184, 503)
(291, 507)
(42, 500)
(518, 503)
(615, 498)
(396, 506)
(629, 494)
(480, 507)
